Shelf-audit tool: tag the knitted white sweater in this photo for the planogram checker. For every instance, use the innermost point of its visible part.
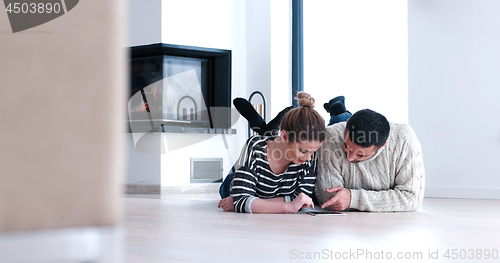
(392, 180)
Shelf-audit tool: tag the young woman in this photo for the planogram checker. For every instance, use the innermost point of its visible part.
(277, 174)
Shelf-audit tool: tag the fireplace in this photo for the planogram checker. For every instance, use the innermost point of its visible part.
(177, 88)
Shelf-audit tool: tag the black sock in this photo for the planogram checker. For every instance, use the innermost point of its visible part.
(328, 106)
(337, 108)
(250, 114)
(272, 127)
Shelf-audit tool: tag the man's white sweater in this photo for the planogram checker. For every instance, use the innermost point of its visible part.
(392, 180)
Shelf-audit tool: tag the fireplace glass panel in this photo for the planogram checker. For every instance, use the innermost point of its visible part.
(169, 90)
(144, 72)
(185, 89)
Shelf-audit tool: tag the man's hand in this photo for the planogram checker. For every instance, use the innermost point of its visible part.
(227, 204)
(301, 201)
(340, 201)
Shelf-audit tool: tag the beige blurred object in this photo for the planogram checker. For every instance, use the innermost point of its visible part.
(62, 119)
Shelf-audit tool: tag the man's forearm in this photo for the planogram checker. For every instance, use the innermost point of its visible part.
(385, 201)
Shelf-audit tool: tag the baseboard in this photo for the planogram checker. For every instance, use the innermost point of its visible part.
(198, 188)
(142, 189)
(462, 192)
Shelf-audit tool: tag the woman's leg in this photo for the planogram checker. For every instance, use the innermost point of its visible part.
(225, 189)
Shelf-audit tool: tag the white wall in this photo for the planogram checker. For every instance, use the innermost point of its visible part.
(268, 25)
(454, 65)
(358, 49)
(144, 22)
(258, 27)
(142, 169)
(281, 56)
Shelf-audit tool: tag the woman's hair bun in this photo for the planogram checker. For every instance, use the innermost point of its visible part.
(305, 100)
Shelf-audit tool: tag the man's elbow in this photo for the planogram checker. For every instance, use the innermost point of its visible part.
(413, 202)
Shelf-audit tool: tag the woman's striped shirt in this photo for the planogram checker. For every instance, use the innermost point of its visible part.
(254, 178)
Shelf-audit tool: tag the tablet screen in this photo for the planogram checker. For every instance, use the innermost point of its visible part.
(320, 213)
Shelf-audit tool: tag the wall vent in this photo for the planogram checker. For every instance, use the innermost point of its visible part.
(206, 170)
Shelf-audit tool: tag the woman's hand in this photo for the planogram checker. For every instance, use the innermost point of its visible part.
(301, 201)
(226, 204)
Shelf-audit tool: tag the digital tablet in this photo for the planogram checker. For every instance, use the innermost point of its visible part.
(325, 213)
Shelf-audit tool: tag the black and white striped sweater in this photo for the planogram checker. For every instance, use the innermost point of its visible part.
(254, 178)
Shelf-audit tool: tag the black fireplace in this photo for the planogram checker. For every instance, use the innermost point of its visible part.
(179, 88)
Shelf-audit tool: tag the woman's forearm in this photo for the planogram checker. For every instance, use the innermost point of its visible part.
(271, 206)
(277, 199)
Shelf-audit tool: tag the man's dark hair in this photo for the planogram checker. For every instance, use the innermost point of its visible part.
(366, 128)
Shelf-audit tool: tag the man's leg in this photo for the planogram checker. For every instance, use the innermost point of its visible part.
(336, 108)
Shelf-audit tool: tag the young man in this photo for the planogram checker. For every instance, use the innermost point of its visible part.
(369, 164)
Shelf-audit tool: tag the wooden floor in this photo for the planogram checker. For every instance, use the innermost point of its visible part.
(192, 229)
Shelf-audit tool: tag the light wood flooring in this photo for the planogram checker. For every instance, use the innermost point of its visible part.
(190, 228)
